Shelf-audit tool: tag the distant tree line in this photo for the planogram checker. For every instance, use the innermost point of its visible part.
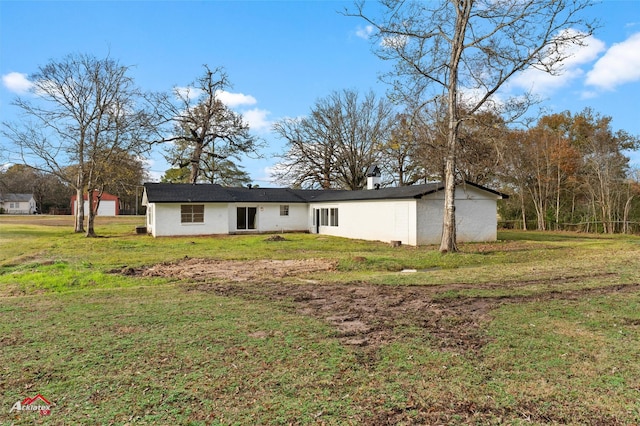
(570, 171)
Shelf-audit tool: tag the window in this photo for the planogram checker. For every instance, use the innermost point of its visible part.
(334, 217)
(284, 210)
(192, 213)
(246, 217)
(328, 217)
(324, 217)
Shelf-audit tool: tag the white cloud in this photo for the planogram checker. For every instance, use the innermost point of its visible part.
(620, 65)
(364, 32)
(17, 82)
(149, 164)
(257, 119)
(394, 42)
(229, 99)
(235, 99)
(188, 93)
(268, 175)
(543, 83)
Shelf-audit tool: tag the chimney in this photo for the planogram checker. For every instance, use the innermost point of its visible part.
(373, 177)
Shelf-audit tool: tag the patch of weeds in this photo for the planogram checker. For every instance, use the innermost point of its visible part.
(61, 276)
(569, 345)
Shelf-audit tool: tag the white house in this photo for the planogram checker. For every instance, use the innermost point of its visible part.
(17, 204)
(410, 214)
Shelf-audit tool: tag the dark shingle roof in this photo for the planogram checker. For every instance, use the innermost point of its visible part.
(208, 193)
(15, 197)
(400, 192)
(213, 193)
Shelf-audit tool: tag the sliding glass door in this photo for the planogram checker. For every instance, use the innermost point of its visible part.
(246, 217)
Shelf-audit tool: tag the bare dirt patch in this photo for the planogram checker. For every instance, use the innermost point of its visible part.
(366, 315)
(233, 270)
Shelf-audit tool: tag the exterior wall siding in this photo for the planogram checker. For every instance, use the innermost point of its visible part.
(478, 220)
(476, 216)
(106, 208)
(19, 207)
(108, 205)
(371, 220)
(268, 218)
(221, 218)
(429, 219)
(167, 221)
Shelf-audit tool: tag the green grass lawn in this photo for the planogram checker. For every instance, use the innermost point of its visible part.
(536, 328)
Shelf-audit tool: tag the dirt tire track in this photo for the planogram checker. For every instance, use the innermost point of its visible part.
(365, 314)
(373, 315)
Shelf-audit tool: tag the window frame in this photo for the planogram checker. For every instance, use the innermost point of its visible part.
(324, 216)
(191, 213)
(333, 216)
(249, 213)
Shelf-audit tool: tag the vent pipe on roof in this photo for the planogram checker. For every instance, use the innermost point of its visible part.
(373, 177)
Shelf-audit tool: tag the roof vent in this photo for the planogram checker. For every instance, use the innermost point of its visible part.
(373, 177)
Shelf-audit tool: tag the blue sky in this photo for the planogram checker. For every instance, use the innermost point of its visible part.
(282, 56)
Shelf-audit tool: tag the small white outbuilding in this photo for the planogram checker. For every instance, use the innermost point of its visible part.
(411, 215)
(18, 204)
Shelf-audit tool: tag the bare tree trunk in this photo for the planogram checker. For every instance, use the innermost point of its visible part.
(558, 181)
(448, 242)
(626, 229)
(523, 208)
(79, 208)
(79, 212)
(195, 159)
(91, 218)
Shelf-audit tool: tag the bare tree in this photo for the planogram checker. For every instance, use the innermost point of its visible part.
(336, 143)
(83, 110)
(633, 191)
(206, 132)
(401, 154)
(464, 51)
(605, 167)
